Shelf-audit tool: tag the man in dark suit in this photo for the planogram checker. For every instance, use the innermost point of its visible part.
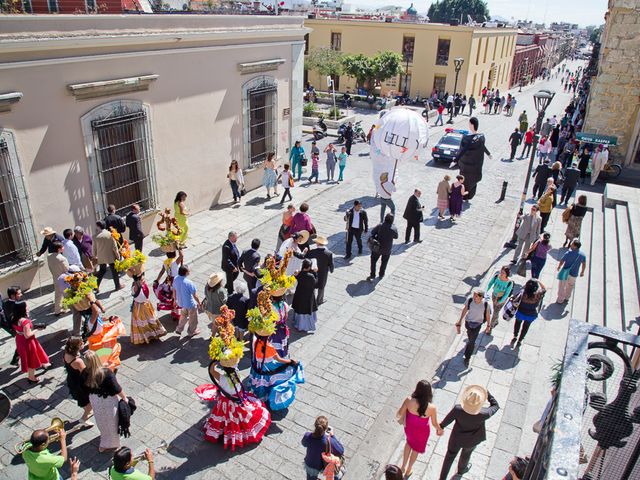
(114, 220)
(357, 222)
(571, 176)
(383, 234)
(468, 429)
(249, 263)
(230, 258)
(134, 224)
(541, 174)
(324, 263)
(413, 215)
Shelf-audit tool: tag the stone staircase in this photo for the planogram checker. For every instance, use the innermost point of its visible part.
(611, 239)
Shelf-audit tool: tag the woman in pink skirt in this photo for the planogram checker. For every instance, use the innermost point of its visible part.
(415, 413)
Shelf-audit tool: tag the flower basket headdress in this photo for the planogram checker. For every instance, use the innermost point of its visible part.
(225, 347)
(80, 290)
(169, 225)
(263, 318)
(275, 276)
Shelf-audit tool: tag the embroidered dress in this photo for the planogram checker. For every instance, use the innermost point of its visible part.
(104, 340)
(271, 381)
(280, 339)
(163, 291)
(238, 418)
(144, 324)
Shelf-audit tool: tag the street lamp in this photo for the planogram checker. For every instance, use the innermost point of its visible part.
(541, 101)
(457, 65)
(406, 75)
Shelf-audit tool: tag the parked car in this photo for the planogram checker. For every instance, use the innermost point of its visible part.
(448, 147)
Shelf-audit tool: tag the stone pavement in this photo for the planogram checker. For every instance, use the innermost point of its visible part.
(374, 340)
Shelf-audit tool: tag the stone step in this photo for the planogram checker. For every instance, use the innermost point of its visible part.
(595, 308)
(612, 311)
(630, 294)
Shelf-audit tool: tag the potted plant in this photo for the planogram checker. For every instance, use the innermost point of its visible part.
(80, 293)
(225, 347)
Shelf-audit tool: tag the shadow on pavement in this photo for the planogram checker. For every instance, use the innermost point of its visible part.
(501, 358)
(450, 370)
(363, 287)
(555, 311)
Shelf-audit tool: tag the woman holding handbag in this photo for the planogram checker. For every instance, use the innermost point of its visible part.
(499, 288)
(236, 180)
(538, 254)
(527, 311)
(573, 219)
(319, 443)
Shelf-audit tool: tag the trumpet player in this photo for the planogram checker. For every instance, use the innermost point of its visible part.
(41, 463)
(124, 466)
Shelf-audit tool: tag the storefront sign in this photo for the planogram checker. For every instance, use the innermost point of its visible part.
(595, 138)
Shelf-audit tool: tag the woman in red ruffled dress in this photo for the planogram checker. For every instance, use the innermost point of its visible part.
(31, 353)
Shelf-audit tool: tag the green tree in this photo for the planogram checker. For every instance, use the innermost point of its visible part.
(386, 65)
(360, 67)
(325, 61)
(443, 11)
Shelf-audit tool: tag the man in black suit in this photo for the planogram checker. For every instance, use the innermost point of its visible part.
(468, 429)
(541, 174)
(134, 224)
(413, 215)
(357, 222)
(571, 176)
(230, 258)
(324, 264)
(381, 243)
(14, 295)
(114, 220)
(249, 263)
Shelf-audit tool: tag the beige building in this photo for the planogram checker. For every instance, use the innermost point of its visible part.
(105, 109)
(429, 49)
(614, 98)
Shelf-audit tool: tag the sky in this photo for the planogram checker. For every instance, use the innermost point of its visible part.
(582, 12)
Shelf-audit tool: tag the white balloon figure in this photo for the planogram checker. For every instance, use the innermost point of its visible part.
(401, 134)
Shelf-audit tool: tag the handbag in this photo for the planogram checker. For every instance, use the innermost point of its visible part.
(339, 470)
(511, 306)
(243, 192)
(291, 182)
(566, 215)
(522, 267)
(374, 245)
(303, 161)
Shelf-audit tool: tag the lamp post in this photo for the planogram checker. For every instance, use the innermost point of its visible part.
(406, 75)
(541, 101)
(457, 65)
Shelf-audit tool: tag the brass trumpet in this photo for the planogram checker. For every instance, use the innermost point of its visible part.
(53, 430)
(141, 456)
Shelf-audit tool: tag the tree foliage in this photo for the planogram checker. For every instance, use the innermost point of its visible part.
(443, 11)
(594, 36)
(325, 61)
(369, 71)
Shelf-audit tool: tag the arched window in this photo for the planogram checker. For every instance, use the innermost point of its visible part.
(117, 137)
(260, 101)
(17, 237)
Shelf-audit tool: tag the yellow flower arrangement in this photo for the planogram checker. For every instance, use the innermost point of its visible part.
(277, 278)
(225, 346)
(263, 319)
(81, 285)
(130, 261)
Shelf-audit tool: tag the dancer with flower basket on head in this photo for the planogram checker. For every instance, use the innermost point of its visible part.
(168, 244)
(101, 333)
(238, 418)
(276, 279)
(273, 379)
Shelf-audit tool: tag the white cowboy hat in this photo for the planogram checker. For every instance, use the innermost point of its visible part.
(473, 397)
(320, 240)
(215, 279)
(303, 237)
(47, 231)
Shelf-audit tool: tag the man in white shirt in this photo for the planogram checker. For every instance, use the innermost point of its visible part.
(357, 223)
(387, 189)
(70, 251)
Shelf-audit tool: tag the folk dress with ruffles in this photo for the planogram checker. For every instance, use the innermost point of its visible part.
(238, 417)
(144, 323)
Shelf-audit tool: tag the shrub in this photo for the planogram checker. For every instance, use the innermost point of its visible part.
(309, 109)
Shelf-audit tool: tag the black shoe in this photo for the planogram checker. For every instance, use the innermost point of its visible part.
(518, 345)
(347, 257)
(466, 362)
(513, 342)
(465, 469)
(359, 252)
(417, 241)
(406, 241)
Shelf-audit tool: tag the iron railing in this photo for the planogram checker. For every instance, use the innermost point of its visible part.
(592, 428)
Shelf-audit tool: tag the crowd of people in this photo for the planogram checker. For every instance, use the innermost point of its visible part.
(252, 314)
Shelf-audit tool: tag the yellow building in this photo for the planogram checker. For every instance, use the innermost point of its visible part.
(429, 48)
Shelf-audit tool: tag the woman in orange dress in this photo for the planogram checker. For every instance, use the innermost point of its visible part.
(30, 352)
(103, 337)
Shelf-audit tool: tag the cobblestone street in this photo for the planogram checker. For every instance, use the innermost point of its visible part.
(373, 343)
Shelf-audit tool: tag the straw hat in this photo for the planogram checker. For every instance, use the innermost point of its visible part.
(473, 397)
(215, 279)
(321, 240)
(303, 237)
(47, 231)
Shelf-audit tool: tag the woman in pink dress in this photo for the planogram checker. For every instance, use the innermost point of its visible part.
(31, 353)
(414, 414)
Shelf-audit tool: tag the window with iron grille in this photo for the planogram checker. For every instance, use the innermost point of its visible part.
(261, 100)
(91, 5)
(123, 159)
(53, 6)
(16, 227)
(336, 41)
(26, 6)
(408, 45)
(442, 54)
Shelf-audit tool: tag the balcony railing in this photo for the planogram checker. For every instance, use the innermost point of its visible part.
(592, 428)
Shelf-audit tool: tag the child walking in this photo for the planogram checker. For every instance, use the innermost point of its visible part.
(286, 180)
(315, 159)
(444, 190)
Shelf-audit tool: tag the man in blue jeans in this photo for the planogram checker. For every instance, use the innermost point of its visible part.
(296, 156)
(387, 189)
